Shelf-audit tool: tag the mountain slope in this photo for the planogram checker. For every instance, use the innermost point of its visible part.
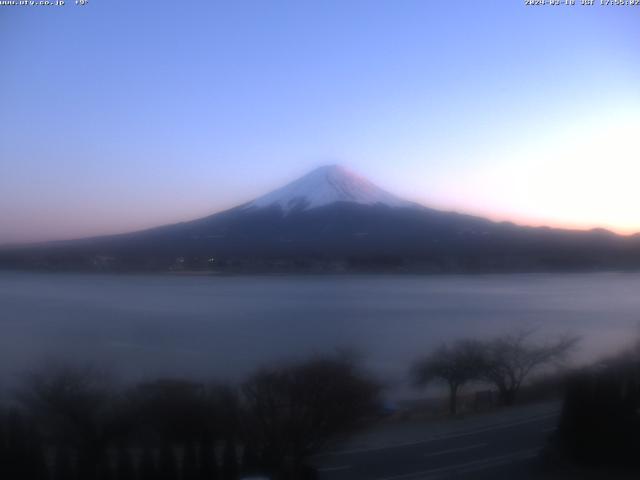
(332, 220)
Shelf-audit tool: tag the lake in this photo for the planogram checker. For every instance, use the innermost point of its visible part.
(224, 327)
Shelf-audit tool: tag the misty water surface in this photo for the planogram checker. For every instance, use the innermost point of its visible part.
(224, 327)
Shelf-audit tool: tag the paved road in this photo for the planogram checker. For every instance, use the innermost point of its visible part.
(502, 448)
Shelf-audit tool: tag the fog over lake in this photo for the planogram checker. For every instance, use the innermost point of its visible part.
(224, 327)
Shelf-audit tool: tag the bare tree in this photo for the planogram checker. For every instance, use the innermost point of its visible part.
(511, 358)
(296, 409)
(172, 410)
(72, 406)
(454, 365)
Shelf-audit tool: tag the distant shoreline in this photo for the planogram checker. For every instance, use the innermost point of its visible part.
(199, 273)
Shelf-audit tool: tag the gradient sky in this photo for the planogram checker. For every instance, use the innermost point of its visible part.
(127, 114)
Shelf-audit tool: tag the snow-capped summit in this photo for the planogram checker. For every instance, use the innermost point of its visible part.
(326, 185)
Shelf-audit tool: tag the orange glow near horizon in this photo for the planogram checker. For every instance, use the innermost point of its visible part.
(581, 177)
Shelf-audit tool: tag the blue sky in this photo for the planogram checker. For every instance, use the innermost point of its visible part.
(122, 115)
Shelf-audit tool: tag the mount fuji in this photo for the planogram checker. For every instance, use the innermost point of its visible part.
(334, 220)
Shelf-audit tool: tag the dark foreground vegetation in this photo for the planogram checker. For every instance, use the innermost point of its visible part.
(69, 423)
(599, 428)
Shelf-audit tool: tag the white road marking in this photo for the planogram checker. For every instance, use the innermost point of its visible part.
(488, 463)
(334, 469)
(468, 467)
(440, 437)
(456, 450)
